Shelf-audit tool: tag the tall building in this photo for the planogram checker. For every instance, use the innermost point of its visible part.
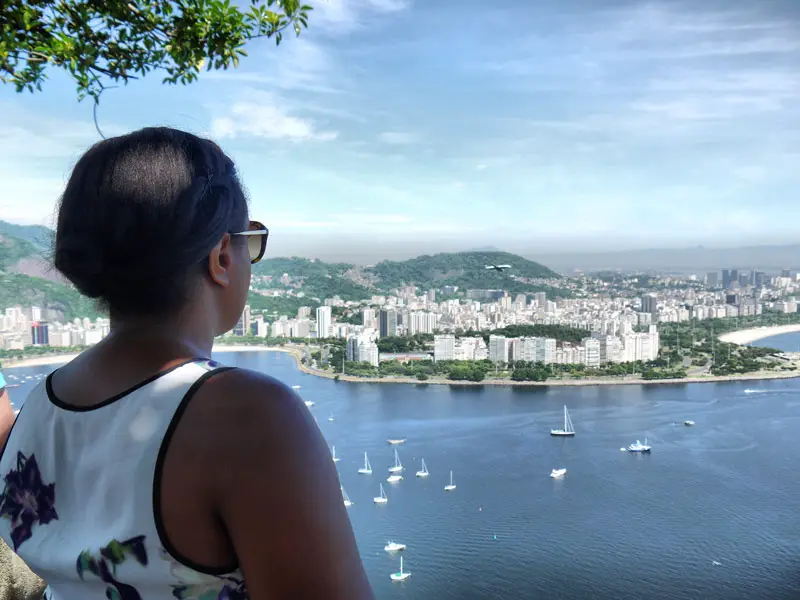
(650, 304)
(444, 347)
(498, 348)
(323, 321)
(243, 325)
(592, 349)
(712, 279)
(387, 326)
(39, 333)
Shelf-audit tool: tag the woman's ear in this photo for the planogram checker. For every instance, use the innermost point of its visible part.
(220, 260)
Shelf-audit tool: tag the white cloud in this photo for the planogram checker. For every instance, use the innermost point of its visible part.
(263, 117)
(480, 167)
(36, 155)
(399, 138)
(342, 16)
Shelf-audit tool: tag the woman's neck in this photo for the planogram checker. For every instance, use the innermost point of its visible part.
(185, 336)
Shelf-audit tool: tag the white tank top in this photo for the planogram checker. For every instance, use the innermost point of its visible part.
(78, 494)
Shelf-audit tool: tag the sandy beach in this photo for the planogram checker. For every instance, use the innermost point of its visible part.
(748, 336)
(60, 359)
(297, 354)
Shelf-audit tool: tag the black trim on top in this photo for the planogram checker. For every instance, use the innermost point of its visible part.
(71, 407)
(157, 476)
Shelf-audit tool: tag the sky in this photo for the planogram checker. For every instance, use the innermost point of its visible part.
(392, 128)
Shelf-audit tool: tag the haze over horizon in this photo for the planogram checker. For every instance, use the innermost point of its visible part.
(394, 128)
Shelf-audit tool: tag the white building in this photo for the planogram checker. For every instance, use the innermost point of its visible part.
(323, 321)
(444, 347)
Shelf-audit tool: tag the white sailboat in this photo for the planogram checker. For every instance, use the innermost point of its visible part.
(347, 501)
(394, 547)
(309, 403)
(394, 478)
(557, 473)
(568, 430)
(424, 471)
(398, 466)
(451, 486)
(400, 575)
(333, 454)
(367, 468)
(639, 447)
(395, 441)
(331, 418)
(382, 499)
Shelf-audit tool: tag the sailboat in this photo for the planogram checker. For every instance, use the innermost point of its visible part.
(639, 446)
(556, 473)
(331, 418)
(309, 403)
(424, 471)
(347, 501)
(395, 441)
(333, 453)
(398, 466)
(382, 499)
(367, 468)
(568, 430)
(452, 486)
(400, 575)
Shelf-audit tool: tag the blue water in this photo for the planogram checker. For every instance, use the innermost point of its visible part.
(617, 526)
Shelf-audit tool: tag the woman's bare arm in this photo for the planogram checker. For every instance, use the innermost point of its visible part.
(278, 494)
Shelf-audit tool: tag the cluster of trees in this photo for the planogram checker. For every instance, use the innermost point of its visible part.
(279, 305)
(561, 333)
(31, 351)
(402, 344)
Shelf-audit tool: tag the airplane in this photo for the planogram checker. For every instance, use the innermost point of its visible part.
(499, 268)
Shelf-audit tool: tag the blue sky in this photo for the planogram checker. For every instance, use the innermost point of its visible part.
(396, 127)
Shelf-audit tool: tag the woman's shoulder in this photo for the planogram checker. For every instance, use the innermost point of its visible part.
(237, 408)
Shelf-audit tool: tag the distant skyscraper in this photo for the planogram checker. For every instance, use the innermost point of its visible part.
(650, 304)
(323, 321)
(712, 279)
(726, 277)
(387, 326)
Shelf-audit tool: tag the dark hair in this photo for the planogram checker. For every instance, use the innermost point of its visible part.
(140, 213)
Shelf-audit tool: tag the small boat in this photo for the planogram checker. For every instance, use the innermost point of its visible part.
(568, 430)
(296, 387)
(382, 499)
(558, 473)
(347, 501)
(400, 575)
(688, 423)
(451, 486)
(394, 442)
(424, 471)
(367, 468)
(639, 446)
(394, 478)
(309, 403)
(330, 418)
(398, 466)
(333, 454)
(394, 547)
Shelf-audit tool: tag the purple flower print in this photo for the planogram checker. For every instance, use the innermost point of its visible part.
(26, 500)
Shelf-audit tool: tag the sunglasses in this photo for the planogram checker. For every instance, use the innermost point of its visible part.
(257, 235)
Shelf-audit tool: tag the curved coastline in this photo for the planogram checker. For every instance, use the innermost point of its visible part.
(296, 353)
(748, 336)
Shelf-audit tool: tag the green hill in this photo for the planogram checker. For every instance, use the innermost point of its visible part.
(23, 251)
(463, 269)
(39, 236)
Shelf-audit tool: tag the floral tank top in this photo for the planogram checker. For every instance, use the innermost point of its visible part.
(79, 491)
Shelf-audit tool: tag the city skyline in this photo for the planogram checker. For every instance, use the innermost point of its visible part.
(590, 126)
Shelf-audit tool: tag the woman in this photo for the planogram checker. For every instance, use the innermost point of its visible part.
(142, 469)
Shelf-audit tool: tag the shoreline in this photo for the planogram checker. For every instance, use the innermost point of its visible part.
(754, 334)
(296, 353)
